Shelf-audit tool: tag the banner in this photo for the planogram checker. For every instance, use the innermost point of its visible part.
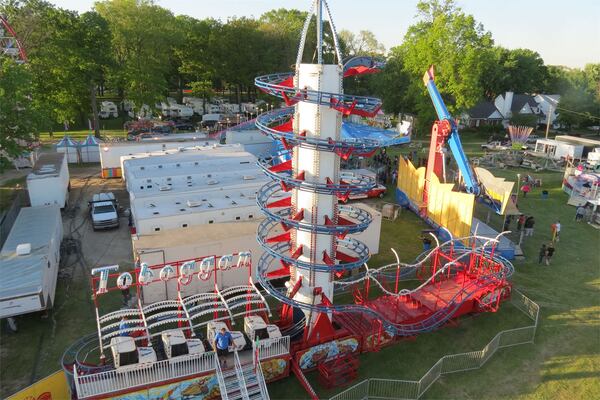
(53, 387)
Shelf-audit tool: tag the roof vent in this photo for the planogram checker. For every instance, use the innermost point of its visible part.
(212, 182)
(23, 249)
(192, 203)
(164, 188)
(249, 177)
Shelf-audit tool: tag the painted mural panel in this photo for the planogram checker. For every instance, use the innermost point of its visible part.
(201, 388)
(326, 351)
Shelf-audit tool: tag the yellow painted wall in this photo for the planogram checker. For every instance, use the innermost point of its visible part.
(53, 387)
(452, 210)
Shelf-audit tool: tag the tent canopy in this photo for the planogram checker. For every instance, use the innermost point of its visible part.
(90, 141)
(66, 141)
(383, 136)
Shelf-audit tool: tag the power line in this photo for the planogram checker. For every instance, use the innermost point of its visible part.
(587, 115)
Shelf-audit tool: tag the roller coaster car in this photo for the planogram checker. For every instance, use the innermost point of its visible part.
(127, 355)
(213, 327)
(175, 344)
(256, 327)
(377, 191)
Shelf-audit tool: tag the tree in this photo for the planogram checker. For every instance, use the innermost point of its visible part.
(456, 44)
(20, 113)
(363, 44)
(204, 90)
(95, 56)
(517, 70)
(142, 37)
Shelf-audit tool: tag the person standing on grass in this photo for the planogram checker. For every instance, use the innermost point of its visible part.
(525, 189)
(549, 253)
(556, 231)
(579, 214)
(521, 222)
(529, 224)
(543, 254)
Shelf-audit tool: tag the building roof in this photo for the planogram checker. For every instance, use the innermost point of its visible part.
(47, 164)
(210, 201)
(197, 172)
(578, 140)
(519, 101)
(483, 110)
(23, 275)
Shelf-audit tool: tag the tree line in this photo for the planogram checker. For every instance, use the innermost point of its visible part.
(140, 51)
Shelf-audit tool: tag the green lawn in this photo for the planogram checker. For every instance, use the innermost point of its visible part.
(80, 135)
(8, 192)
(564, 363)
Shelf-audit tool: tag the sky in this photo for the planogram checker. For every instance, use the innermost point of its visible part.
(563, 32)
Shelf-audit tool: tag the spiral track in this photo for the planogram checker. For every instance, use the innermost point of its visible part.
(277, 199)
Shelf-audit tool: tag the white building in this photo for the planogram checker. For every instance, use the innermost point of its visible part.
(556, 150)
(111, 153)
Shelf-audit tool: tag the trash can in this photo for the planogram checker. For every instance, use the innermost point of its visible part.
(544, 194)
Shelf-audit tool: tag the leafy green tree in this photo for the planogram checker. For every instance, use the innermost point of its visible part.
(517, 70)
(142, 37)
(95, 56)
(458, 47)
(20, 112)
(204, 90)
(364, 43)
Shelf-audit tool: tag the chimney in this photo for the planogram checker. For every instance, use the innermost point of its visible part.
(508, 99)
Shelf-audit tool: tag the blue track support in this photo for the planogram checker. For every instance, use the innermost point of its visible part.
(454, 143)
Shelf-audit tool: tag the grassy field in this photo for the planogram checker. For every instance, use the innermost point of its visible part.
(564, 363)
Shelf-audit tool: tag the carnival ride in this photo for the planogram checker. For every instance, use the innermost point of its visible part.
(10, 46)
(304, 237)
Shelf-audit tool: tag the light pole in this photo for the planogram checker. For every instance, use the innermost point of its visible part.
(518, 183)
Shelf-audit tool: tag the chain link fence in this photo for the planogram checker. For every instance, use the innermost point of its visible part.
(391, 389)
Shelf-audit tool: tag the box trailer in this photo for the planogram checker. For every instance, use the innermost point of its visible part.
(29, 261)
(48, 182)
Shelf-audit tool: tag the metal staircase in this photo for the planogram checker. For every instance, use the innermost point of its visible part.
(242, 382)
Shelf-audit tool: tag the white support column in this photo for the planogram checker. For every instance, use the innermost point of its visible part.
(322, 122)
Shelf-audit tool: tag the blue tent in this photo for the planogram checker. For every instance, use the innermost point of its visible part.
(70, 147)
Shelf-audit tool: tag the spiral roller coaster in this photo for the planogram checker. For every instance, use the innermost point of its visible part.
(305, 233)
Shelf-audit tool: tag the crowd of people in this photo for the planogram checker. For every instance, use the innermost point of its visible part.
(386, 167)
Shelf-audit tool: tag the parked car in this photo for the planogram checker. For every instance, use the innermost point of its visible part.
(495, 145)
(377, 191)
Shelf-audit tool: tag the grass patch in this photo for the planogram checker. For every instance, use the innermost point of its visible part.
(8, 192)
(563, 363)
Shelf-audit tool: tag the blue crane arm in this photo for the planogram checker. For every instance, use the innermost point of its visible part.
(453, 141)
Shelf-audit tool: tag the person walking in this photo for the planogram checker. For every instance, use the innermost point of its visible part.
(529, 224)
(549, 253)
(543, 254)
(521, 222)
(222, 341)
(525, 189)
(556, 231)
(579, 213)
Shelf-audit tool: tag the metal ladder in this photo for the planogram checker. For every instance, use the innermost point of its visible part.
(241, 382)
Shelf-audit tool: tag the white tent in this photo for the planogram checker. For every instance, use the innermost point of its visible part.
(89, 150)
(70, 147)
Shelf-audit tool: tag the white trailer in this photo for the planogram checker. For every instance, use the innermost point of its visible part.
(29, 261)
(108, 109)
(48, 182)
(111, 153)
(557, 149)
(252, 140)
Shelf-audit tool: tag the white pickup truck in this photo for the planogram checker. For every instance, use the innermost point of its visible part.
(104, 211)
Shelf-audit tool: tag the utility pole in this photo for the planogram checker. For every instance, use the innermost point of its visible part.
(550, 111)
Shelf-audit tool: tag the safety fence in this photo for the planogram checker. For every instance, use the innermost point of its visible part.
(272, 347)
(142, 375)
(390, 389)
